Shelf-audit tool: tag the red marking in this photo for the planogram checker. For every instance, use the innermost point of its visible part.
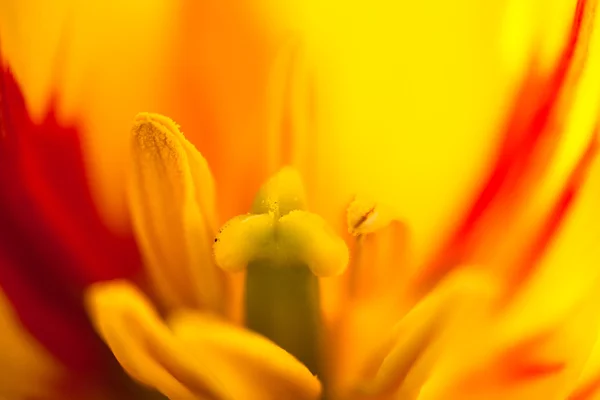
(53, 242)
(526, 371)
(517, 365)
(556, 216)
(528, 127)
(519, 362)
(588, 391)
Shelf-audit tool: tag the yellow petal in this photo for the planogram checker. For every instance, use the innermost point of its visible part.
(569, 268)
(543, 365)
(575, 116)
(534, 27)
(196, 356)
(413, 127)
(588, 385)
(30, 35)
(409, 108)
(172, 204)
(558, 303)
(116, 60)
(28, 371)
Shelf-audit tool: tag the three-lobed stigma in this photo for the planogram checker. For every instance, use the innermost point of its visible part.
(280, 230)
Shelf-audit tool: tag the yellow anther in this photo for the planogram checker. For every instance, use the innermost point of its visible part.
(365, 216)
(171, 197)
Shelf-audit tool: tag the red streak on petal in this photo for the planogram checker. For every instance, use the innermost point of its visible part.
(527, 123)
(517, 365)
(557, 215)
(537, 371)
(53, 242)
(588, 391)
(520, 362)
(529, 127)
(514, 366)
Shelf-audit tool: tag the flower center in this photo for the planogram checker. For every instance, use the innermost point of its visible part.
(284, 249)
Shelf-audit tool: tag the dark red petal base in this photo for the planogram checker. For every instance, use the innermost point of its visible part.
(53, 242)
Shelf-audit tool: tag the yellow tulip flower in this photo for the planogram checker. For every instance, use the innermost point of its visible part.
(389, 200)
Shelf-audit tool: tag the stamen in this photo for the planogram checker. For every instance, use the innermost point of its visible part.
(379, 249)
(171, 196)
(366, 216)
(284, 249)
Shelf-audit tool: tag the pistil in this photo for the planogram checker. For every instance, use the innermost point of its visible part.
(284, 249)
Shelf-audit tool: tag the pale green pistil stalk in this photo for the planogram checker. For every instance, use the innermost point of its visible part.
(282, 303)
(284, 248)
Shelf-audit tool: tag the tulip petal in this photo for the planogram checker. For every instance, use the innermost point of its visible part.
(224, 56)
(52, 239)
(543, 364)
(588, 385)
(100, 62)
(28, 370)
(46, 161)
(569, 265)
(444, 322)
(543, 337)
(196, 355)
(30, 36)
(407, 122)
(534, 130)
